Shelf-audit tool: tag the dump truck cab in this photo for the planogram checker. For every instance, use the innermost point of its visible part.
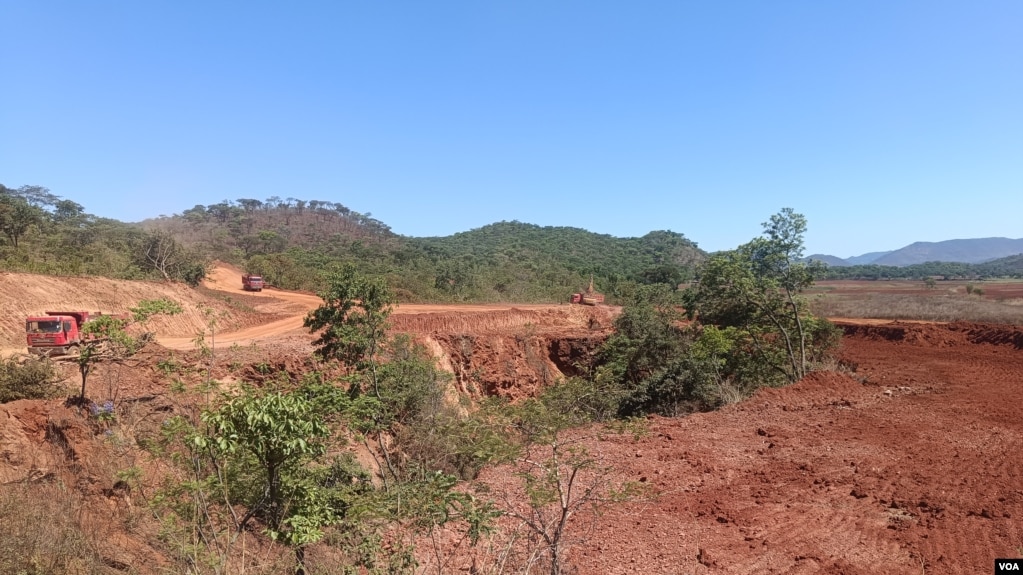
(55, 332)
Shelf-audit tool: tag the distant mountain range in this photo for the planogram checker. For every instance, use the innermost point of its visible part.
(972, 251)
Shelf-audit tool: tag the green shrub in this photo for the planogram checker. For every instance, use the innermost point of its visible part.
(32, 379)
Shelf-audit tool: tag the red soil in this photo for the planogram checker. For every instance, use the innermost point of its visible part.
(910, 465)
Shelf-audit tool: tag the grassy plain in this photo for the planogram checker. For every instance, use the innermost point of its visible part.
(994, 301)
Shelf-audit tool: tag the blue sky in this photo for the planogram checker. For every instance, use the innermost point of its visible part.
(884, 122)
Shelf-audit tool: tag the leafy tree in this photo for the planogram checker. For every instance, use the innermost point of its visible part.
(16, 216)
(250, 205)
(196, 215)
(668, 274)
(262, 451)
(106, 336)
(221, 212)
(37, 196)
(284, 432)
(352, 321)
(271, 242)
(147, 308)
(753, 329)
(352, 325)
(66, 211)
(646, 339)
(259, 453)
(755, 288)
(429, 432)
(101, 337)
(281, 432)
(396, 391)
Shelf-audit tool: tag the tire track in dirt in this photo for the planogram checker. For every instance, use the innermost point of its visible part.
(804, 517)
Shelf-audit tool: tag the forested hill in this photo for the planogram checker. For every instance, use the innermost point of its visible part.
(656, 253)
(238, 230)
(292, 241)
(558, 258)
(46, 234)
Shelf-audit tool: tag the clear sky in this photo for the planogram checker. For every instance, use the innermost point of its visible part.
(883, 121)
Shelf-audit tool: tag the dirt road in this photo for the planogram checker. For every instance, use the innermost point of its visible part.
(227, 279)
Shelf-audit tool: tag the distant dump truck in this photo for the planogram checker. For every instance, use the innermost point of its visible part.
(58, 332)
(588, 297)
(252, 282)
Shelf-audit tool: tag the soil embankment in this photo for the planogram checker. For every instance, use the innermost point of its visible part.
(22, 295)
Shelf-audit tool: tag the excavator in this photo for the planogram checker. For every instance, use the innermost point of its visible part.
(588, 297)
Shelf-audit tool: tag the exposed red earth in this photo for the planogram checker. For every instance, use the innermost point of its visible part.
(908, 461)
(911, 464)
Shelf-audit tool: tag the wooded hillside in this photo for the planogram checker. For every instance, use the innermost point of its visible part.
(46, 234)
(291, 241)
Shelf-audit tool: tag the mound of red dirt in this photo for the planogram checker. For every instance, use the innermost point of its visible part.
(937, 334)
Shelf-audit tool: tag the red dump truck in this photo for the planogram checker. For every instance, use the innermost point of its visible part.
(252, 282)
(58, 332)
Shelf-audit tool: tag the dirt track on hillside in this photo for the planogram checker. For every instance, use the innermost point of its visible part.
(227, 279)
(273, 313)
(22, 295)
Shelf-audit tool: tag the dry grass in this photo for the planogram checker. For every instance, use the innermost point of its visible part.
(941, 306)
(42, 531)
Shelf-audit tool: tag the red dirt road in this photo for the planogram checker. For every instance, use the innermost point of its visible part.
(917, 470)
(295, 305)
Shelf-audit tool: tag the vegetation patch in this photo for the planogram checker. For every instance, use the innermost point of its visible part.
(28, 378)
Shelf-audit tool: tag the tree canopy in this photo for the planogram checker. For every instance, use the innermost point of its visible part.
(755, 289)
